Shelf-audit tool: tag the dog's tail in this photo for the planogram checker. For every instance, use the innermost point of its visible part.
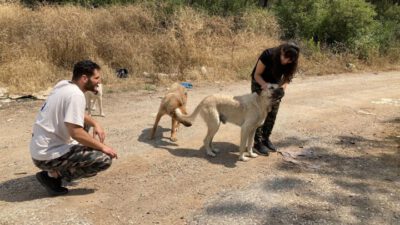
(187, 120)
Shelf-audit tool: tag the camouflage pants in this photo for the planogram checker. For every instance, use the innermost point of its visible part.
(263, 132)
(79, 162)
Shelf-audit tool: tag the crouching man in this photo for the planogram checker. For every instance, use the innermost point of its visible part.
(60, 146)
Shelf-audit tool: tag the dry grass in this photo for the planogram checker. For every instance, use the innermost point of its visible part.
(39, 47)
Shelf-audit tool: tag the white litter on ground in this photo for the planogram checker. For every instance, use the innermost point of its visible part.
(365, 112)
(387, 101)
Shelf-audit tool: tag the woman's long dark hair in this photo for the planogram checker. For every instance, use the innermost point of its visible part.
(291, 51)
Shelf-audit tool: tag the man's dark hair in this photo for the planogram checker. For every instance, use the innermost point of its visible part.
(85, 67)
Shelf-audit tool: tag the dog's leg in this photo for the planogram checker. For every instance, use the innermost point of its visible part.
(89, 106)
(177, 125)
(159, 115)
(101, 106)
(250, 143)
(87, 100)
(213, 126)
(184, 112)
(244, 134)
(94, 103)
(174, 129)
(215, 150)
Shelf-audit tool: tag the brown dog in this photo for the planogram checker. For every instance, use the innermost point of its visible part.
(173, 101)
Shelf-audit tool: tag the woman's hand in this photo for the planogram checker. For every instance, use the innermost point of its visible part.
(284, 85)
(265, 86)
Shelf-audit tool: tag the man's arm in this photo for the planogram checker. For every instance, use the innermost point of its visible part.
(80, 135)
(89, 120)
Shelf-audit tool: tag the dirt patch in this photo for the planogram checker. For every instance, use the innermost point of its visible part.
(345, 169)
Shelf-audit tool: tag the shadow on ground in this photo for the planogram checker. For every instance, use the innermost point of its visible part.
(28, 188)
(159, 140)
(225, 157)
(361, 176)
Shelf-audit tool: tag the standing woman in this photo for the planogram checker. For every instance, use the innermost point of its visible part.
(275, 66)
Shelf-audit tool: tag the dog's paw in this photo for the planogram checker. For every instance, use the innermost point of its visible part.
(174, 139)
(253, 154)
(215, 150)
(243, 158)
(102, 115)
(211, 153)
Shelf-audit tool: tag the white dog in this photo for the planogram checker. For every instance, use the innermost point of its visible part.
(247, 111)
(92, 98)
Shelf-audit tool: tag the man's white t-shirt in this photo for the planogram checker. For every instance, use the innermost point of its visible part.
(50, 137)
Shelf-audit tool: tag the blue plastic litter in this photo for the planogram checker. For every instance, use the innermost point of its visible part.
(187, 85)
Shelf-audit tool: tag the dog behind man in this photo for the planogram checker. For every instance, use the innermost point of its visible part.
(95, 97)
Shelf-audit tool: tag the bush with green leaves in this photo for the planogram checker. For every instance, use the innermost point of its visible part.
(301, 18)
(388, 33)
(222, 7)
(351, 23)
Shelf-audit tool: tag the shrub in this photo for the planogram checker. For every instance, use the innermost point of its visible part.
(301, 18)
(345, 22)
(388, 33)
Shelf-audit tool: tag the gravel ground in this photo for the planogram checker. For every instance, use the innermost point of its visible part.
(339, 162)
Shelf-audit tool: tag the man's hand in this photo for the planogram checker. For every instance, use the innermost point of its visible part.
(98, 130)
(109, 151)
(79, 134)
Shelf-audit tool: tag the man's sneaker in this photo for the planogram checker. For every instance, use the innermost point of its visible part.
(269, 145)
(52, 185)
(261, 149)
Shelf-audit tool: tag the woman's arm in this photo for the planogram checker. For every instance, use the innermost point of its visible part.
(257, 74)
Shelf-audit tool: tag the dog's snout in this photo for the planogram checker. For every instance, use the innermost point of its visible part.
(278, 93)
(186, 124)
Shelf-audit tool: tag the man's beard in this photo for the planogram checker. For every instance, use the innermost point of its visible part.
(90, 86)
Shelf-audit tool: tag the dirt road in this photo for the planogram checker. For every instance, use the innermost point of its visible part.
(340, 162)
